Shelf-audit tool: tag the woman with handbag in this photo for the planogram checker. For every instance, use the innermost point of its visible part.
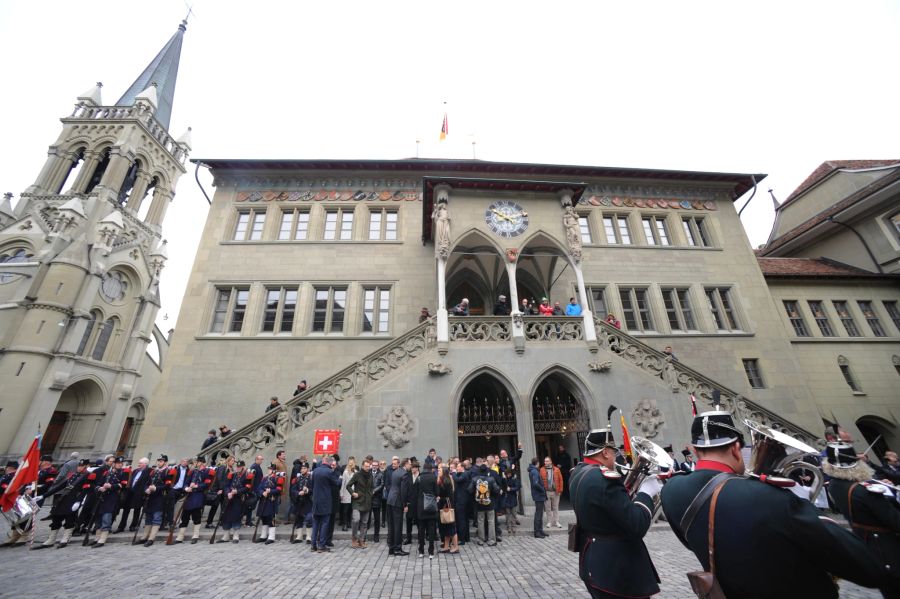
(427, 509)
(446, 490)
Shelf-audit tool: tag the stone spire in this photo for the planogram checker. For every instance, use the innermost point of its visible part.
(162, 70)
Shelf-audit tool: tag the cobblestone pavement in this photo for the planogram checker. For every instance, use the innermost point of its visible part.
(516, 568)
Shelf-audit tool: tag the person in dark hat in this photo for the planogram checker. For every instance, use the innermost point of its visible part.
(199, 479)
(869, 507)
(107, 490)
(774, 543)
(269, 494)
(614, 561)
(155, 502)
(239, 487)
(10, 472)
(502, 307)
(688, 465)
(46, 476)
(64, 512)
(676, 465)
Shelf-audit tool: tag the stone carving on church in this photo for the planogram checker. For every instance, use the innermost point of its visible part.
(396, 427)
(600, 366)
(512, 254)
(647, 417)
(486, 328)
(544, 328)
(573, 232)
(441, 217)
(670, 374)
(282, 425)
(360, 376)
(438, 368)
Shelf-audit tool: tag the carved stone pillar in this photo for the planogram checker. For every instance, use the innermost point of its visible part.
(138, 191)
(115, 172)
(91, 160)
(518, 325)
(590, 334)
(44, 182)
(441, 219)
(159, 205)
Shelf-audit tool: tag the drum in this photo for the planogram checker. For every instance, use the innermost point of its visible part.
(20, 513)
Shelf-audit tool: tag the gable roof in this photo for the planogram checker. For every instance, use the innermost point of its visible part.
(817, 268)
(828, 167)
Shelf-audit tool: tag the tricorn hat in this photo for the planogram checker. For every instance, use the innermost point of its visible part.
(118, 459)
(715, 429)
(201, 459)
(668, 449)
(685, 452)
(240, 463)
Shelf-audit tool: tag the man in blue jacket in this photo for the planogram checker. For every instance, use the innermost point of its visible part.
(539, 496)
(323, 480)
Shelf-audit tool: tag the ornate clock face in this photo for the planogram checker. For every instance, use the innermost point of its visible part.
(506, 218)
(113, 287)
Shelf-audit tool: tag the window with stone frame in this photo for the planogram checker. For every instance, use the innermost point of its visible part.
(329, 307)
(376, 315)
(294, 225)
(796, 318)
(678, 308)
(383, 224)
(817, 307)
(14, 255)
(103, 338)
(584, 226)
(249, 225)
(229, 309)
(893, 312)
(655, 230)
(616, 228)
(695, 231)
(338, 224)
(721, 306)
(636, 309)
(754, 376)
(88, 331)
(868, 312)
(847, 373)
(596, 299)
(280, 309)
(843, 311)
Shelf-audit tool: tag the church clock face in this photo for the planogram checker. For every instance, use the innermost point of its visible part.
(506, 219)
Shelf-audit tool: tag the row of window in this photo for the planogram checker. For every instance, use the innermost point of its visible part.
(617, 230)
(96, 337)
(677, 307)
(328, 313)
(295, 225)
(824, 318)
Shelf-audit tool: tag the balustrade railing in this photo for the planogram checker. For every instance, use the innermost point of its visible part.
(138, 113)
(480, 328)
(553, 328)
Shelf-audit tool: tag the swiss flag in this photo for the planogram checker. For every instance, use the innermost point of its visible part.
(27, 473)
(326, 442)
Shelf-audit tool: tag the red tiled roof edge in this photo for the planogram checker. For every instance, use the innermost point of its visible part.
(828, 167)
(816, 268)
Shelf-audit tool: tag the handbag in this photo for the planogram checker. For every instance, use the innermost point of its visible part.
(705, 584)
(448, 515)
(429, 504)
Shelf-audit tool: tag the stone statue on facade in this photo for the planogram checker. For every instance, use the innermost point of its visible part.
(647, 417)
(670, 375)
(438, 368)
(441, 217)
(395, 427)
(599, 366)
(282, 424)
(359, 378)
(573, 232)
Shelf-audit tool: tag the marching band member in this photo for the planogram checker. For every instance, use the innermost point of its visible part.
(199, 480)
(155, 501)
(776, 544)
(238, 485)
(46, 477)
(302, 502)
(107, 490)
(269, 493)
(64, 512)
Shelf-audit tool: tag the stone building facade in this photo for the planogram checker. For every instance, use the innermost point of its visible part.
(80, 260)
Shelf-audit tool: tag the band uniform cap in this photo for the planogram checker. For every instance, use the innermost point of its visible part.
(85, 462)
(118, 459)
(12, 464)
(502, 298)
(597, 440)
(46, 458)
(240, 463)
(668, 449)
(685, 452)
(163, 457)
(715, 429)
(841, 455)
(200, 458)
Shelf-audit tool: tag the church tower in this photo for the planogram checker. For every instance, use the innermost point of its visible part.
(80, 260)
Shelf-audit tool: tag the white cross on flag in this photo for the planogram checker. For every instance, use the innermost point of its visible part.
(326, 442)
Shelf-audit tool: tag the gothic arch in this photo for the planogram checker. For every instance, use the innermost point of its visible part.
(568, 375)
(476, 234)
(878, 431)
(136, 277)
(488, 412)
(475, 373)
(550, 241)
(77, 416)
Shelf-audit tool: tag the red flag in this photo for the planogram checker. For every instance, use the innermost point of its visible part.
(693, 405)
(445, 128)
(27, 473)
(626, 438)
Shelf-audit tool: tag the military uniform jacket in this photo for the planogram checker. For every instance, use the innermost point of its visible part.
(159, 478)
(109, 499)
(613, 557)
(874, 518)
(203, 478)
(45, 480)
(242, 485)
(269, 504)
(69, 492)
(769, 542)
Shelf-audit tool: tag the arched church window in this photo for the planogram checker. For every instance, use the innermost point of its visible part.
(87, 333)
(128, 182)
(145, 205)
(98, 172)
(74, 170)
(13, 256)
(103, 339)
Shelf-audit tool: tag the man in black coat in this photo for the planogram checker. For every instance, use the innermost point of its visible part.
(257, 471)
(218, 488)
(772, 543)
(133, 497)
(385, 493)
(614, 561)
(398, 495)
(462, 502)
(868, 506)
(564, 462)
(322, 482)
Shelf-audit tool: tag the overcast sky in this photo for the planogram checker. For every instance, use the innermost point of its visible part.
(755, 87)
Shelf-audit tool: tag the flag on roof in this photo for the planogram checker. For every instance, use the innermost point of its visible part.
(445, 128)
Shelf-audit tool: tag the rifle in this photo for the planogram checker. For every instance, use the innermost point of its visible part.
(169, 540)
(138, 529)
(256, 530)
(90, 523)
(296, 504)
(225, 506)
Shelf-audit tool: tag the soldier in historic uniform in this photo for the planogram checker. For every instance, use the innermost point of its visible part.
(69, 493)
(302, 502)
(238, 487)
(46, 477)
(107, 490)
(868, 506)
(86, 522)
(613, 560)
(776, 544)
(269, 494)
(155, 501)
(199, 479)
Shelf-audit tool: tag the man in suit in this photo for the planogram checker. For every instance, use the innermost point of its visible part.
(388, 479)
(774, 544)
(397, 497)
(133, 498)
(322, 482)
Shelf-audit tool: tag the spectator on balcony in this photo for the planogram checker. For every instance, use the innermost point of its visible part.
(301, 387)
(501, 308)
(557, 309)
(573, 308)
(545, 308)
(273, 404)
(224, 431)
(210, 439)
(611, 319)
(462, 308)
(424, 314)
(669, 353)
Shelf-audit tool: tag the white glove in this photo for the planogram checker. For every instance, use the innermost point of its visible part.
(651, 486)
(39, 498)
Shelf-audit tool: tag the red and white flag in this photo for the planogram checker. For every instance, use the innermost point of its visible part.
(693, 405)
(26, 474)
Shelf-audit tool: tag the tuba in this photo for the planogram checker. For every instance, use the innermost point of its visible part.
(775, 456)
(650, 458)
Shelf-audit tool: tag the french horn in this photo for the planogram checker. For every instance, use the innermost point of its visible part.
(774, 456)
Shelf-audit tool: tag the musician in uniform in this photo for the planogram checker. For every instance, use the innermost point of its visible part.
(269, 493)
(199, 479)
(302, 502)
(46, 477)
(776, 544)
(64, 513)
(613, 560)
(238, 485)
(11, 467)
(86, 521)
(868, 506)
(107, 489)
(155, 501)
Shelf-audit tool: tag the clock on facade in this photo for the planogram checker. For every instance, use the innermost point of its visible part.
(506, 218)
(113, 287)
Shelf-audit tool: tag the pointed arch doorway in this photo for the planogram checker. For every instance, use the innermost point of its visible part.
(486, 419)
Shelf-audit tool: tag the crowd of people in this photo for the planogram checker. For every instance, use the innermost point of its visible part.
(527, 307)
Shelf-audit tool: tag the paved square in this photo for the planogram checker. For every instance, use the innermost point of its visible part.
(516, 569)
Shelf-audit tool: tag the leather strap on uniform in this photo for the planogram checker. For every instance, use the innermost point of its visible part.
(866, 527)
(850, 502)
(712, 526)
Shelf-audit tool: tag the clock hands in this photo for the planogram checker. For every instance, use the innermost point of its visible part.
(501, 214)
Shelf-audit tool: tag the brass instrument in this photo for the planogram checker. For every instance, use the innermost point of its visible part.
(650, 458)
(775, 456)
